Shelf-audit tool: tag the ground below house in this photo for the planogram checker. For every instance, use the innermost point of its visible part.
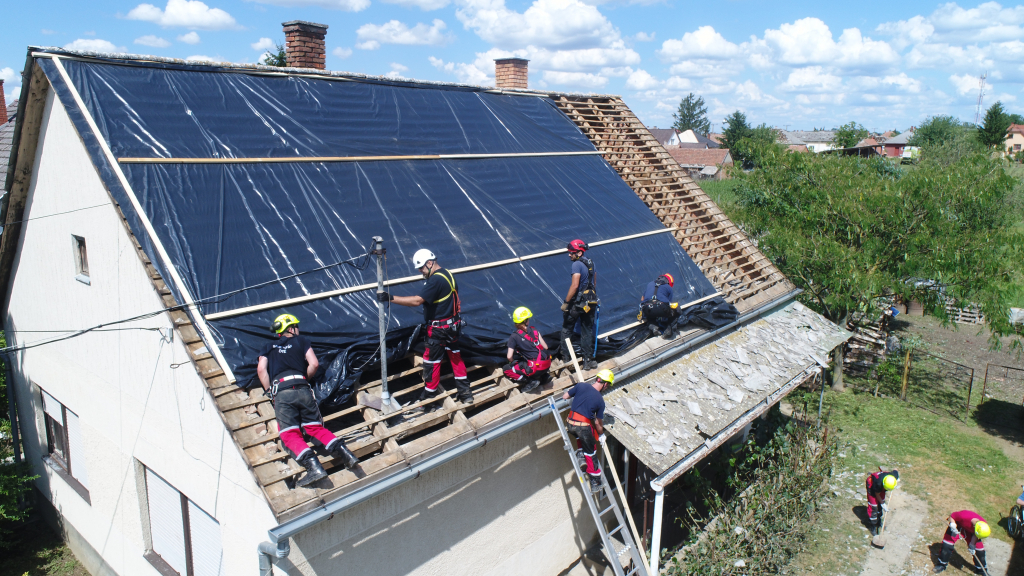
(945, 465)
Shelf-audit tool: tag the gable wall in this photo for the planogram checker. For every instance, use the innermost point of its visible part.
(132, 403)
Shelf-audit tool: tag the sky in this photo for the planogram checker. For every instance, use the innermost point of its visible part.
(795, 65)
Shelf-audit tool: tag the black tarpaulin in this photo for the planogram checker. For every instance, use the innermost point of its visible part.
(229, 226)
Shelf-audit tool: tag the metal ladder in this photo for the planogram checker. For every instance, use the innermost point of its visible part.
(595, 501)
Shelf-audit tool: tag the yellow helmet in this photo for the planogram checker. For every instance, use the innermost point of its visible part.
(282, 322)
(521, 314)
(889, 482)
(982, 530)
(606, 376)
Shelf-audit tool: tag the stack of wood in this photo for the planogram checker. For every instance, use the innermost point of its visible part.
(867, 346)
(970, 314)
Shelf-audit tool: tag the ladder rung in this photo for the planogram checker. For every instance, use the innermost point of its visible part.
(633, 571)
(605, 511)
(614, 531)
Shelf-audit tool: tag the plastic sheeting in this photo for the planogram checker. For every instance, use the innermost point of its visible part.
(229, 226)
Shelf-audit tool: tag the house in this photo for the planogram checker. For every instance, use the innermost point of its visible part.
(183, 223)
(876, 148)
(8, 116)
(1014, 138)
(703, 163)
(690, 139)
(666, 136)
(817, 141)
(897, 146)
(790, 141)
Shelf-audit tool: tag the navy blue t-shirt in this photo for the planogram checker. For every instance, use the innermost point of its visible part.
(586, 401)
(286, 354)
(664, 292)
(578, 267)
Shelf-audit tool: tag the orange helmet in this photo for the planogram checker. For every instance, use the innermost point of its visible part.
(671, 280)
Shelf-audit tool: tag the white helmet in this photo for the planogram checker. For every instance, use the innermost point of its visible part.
(421, 257)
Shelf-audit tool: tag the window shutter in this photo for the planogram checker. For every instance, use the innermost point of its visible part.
(52, 407)
(165, 521)
(77, 450)
(207, 555)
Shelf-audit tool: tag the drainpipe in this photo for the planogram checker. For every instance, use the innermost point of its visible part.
(270, 553)
(12, 408)
(659, 508)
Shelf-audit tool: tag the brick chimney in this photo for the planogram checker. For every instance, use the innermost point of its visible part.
(511, 73)
(304, 44)
(3, 104)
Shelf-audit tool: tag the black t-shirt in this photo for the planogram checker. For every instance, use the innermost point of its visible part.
(520, 345)
(287, 354)
(439, 294)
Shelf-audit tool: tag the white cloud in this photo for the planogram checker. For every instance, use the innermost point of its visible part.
(705, 42)
(644, 37)
(396, 70)
(263, 44)
(153, 41)
(811, 79)
(809, 41)
(11, 90)
(190, 38)
(342, 52)
(945, 56)
(185, 13)
(346, 5)
(677, 83)
(575, 80)
(47, 31)
(465, 73)
(424, 5)
(641, 80)
(707, 68)
(93, 45)
(906, 32)
(553, 24)
(965, 83)
(371, 36)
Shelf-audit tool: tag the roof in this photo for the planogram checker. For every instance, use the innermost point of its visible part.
(1015, 129)
(669, 414)
(663, 134)
(866, 142)
(701, 156)
(715, 137)
(811, 136)
(789, 138)
(900, 139)
(643, 174)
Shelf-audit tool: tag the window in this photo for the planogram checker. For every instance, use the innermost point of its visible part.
(81, 259)
(184, 538)
(64, 446)
(1016, 147)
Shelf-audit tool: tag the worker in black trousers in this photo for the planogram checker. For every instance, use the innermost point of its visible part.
(581, 305)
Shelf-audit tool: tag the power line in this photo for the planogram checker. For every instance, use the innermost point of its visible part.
(57, 214)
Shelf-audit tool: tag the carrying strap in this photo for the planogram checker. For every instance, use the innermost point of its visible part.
(533, 339)
(451, 283)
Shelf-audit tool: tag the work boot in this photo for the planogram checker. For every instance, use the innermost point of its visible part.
(654, 330)
(466, 398)
(314, 471)
(595, 484)
(428, 395)
(530, 386)
(589, 364)
(940, 568)
(344, 455)
(979, 562)
(670, 333)
(581, 459)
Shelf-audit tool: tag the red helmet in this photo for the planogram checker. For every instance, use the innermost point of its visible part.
(671, 280)
(577, 245)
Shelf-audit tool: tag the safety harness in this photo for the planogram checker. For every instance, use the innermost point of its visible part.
(455, 318)
(586, 298)
(540, 362)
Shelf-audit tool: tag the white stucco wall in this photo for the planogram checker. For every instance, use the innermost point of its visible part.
(512, 507)
(131, 402)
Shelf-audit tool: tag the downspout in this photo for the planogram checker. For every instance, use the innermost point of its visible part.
(659, 509)
(270, 553)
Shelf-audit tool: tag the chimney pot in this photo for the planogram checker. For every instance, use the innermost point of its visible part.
(511, 73)
(304, 44)
(3, 104)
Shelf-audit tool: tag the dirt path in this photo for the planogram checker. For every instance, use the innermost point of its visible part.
(903, 532)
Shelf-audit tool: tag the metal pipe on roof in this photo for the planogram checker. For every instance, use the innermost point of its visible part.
(315, 159)
(328, 510)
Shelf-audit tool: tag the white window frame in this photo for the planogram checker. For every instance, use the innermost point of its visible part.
(69, 463)
(81, 257)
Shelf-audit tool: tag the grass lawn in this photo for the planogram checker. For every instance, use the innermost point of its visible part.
(39, 552)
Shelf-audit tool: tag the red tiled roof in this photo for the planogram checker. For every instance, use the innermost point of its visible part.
(1015, 129)
(701, 157)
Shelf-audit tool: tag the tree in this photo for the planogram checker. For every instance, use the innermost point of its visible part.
(1016, 118)
(278, 57)
(937, 130)
(993, 130)
(847, 135)
(759, 147)
(735, 129)
(692, 115)
(848, 229)
(946, 140)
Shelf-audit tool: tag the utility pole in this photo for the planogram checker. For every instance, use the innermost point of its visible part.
(385, 397)
(981, 98)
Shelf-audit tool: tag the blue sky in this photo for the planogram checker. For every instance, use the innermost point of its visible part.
(799, 65)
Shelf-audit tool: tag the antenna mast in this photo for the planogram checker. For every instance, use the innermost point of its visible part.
(981, 98)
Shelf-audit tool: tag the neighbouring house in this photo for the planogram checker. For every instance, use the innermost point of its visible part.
(703, 163)
(817, 141)
(689, 138)
(666, 136)
(184, 223)
(716, 138)
(1014, 138)
(8, 117)
(876, 148)
(790, 141)
(898, 146)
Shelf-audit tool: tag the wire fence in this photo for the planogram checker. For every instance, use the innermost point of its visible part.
(927, 381)
(1003, 383)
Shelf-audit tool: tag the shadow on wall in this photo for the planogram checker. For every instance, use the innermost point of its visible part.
(437, 525)
(1001, 418)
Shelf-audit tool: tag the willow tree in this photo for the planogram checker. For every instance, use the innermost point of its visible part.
(848, 229)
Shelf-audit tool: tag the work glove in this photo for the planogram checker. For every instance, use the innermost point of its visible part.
(384, 297)
(602, 438)
(970, 548)
(953, 530)
(885, 507)
(565, 306)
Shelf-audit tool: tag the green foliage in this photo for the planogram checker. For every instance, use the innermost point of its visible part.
(785, 480)
(993, 130)
(736, 129)
(759, 147)
(277, 57)
(692, 115)
(15, 478)
(847, 229)
(937, 131)
(849, 134)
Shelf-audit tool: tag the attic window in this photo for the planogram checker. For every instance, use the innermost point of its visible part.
(81, 259)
